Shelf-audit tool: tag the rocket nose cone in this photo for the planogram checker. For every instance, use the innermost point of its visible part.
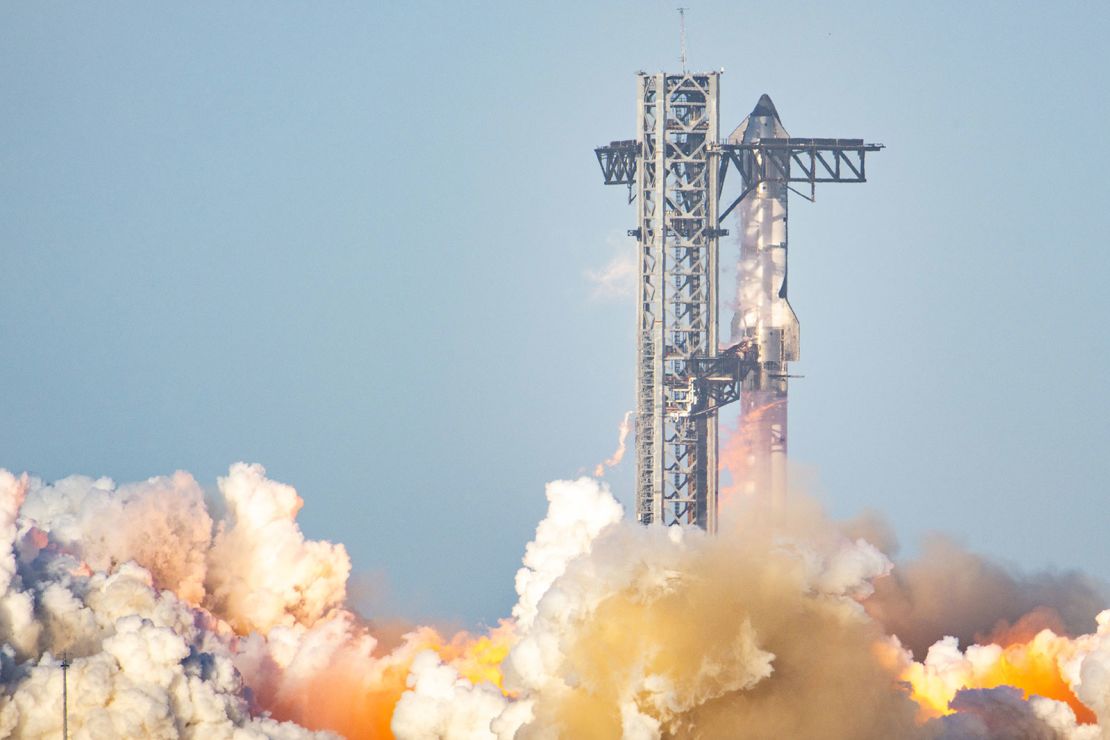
(765, 107)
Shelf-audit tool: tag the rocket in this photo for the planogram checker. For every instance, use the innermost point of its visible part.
(763, 316)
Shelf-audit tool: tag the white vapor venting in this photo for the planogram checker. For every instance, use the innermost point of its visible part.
(617, 278)
(622, 446)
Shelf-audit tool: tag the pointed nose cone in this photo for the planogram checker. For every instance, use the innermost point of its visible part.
(763, 122)
(765, 108)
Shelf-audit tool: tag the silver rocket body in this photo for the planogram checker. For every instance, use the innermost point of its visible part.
(764, 316)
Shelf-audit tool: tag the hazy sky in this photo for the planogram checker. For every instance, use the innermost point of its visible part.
(349, 241)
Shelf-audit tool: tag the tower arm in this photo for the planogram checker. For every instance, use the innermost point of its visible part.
(793, 160)
(713, 382)
(618, 163)
(718, 380)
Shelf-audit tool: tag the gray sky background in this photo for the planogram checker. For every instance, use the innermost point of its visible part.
(350, 241)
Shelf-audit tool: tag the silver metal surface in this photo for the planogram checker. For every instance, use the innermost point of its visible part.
(676, 185)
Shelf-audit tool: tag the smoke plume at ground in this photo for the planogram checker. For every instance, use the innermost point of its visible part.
(948, 590)
(192, 616)
(187, 617)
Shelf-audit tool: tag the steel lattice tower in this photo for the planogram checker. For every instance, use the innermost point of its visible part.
(677, 311)
(675, 170)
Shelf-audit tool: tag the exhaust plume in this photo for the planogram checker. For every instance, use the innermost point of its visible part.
(186, 615)
(950, 591)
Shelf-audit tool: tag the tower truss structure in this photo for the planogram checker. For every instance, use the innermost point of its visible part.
(675, 169)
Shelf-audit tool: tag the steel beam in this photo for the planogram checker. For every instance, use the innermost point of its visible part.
(792, 160)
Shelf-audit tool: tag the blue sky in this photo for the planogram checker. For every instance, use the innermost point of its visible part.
(349, 241)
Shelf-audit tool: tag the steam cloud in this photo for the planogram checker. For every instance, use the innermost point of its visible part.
(187, 616)
(616, 279)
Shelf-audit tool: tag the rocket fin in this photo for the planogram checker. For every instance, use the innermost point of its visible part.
(791, 335)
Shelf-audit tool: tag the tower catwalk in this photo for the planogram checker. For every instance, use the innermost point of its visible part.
(675, 170)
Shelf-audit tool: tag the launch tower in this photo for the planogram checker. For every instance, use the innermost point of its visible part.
(675, 170)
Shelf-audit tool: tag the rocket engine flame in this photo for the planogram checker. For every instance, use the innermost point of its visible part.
(738, 450)
(178, 623)
(1036, 668)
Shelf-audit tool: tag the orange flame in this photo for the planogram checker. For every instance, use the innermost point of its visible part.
(736, 449)
(1033, 666)
(357, 694)
(479, 659)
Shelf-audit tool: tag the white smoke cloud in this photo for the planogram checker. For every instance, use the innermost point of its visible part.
(113, 577)
(1088, 671)
(162, 523)
(187, 617)
(577, 512)
(262, 571)
(441, 704)
(638, 632)
(617, 278)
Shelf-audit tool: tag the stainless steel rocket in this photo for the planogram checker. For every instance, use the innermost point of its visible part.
(763, 316)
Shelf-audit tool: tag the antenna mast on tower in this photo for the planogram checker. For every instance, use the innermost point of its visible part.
(65, 696)
(682, 34)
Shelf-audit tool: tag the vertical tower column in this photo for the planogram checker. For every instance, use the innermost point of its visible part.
(676, 184)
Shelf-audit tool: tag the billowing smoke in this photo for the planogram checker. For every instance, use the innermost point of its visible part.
(1002, 712)
(187, 617)
(115, 579)
(663, 631)
(191, 615)
(948, 590)
(646, 633)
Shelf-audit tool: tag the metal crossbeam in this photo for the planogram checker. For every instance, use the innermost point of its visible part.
(717, 381)
(618, 163)
(793, 160)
